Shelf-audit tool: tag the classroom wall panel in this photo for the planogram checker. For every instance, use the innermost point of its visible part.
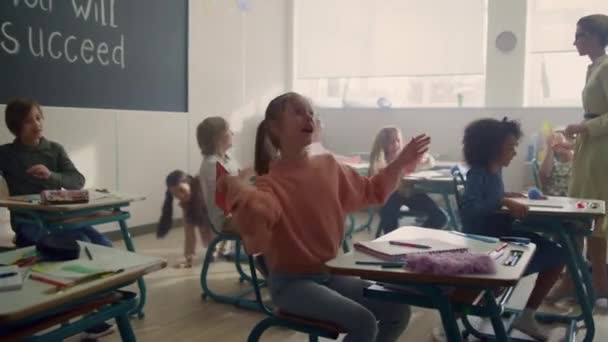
(150, 145)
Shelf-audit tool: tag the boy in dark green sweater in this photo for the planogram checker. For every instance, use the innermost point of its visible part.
(31, 164)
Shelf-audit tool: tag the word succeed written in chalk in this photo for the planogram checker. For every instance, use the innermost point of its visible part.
(17, 38)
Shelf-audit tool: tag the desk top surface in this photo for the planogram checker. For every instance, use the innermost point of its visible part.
(505, 275)
(564, 206)
(33, 298)
(96, 199)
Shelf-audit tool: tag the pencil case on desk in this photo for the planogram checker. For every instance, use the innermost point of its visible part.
(64, 196)
(58, 248)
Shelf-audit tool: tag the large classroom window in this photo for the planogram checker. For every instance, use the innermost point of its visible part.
(397, 53)
(555, 73)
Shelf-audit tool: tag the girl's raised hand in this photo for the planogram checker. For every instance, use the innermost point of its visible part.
(414, 151)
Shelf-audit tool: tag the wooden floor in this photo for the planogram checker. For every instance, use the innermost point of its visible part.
(175, 311)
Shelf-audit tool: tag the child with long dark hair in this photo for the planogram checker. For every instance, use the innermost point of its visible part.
(187, 190)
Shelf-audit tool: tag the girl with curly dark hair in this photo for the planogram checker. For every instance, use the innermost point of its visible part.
(489, 145)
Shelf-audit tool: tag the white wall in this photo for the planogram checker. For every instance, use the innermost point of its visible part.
(505, 71)
(238, 62)
(353, 130)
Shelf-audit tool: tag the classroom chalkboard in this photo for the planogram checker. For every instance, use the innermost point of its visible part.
(117, 54)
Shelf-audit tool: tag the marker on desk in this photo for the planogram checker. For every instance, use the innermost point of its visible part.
(513, 258)
(501, 247)
(407, 244)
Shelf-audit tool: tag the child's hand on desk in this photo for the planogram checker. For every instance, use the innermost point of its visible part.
(414, 151)
(39, 171)
(516, 209)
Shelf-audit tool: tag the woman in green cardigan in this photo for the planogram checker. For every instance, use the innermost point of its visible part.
(590, 168)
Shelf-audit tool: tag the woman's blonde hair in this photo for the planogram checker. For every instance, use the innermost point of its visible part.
(377, 158)
(596, 24)
(209, 132)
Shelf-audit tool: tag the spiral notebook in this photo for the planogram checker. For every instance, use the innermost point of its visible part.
(385, 251)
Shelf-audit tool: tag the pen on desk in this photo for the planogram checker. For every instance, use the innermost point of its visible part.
(89, 255)
(407, 244)
(47, 280)
(476, 237)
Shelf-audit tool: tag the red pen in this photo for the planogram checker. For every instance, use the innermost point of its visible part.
(47, 280)
(407, 244)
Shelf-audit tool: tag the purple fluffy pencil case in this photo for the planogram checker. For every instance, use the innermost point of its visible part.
(451, 263)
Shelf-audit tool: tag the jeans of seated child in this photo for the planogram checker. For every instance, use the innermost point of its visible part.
(29, 234)
(339, 300)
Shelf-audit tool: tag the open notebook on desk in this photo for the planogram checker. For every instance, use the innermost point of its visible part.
(395, 251)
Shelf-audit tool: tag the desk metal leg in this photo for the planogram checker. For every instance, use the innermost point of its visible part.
(495, 316)
(448, 206)
(581, 279)
(126, 236)
(450, 323)
(125, 329)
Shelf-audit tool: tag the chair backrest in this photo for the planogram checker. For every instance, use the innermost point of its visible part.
(459, 183)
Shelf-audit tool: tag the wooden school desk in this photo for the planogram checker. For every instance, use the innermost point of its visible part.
(103, 207)
(31, 306)
(428, 290)
(565, 219)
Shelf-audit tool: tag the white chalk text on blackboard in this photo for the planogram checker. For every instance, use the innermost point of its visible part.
(58, 45)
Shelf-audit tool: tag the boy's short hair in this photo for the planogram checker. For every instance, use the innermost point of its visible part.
(15, 113)
(209, 132)
(484, 138)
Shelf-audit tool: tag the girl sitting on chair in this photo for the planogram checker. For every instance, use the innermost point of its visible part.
(387, 146)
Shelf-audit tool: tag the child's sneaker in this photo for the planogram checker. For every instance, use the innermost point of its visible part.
(97, 331)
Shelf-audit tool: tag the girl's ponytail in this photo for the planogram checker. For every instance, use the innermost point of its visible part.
(263, 154)
(166, 217)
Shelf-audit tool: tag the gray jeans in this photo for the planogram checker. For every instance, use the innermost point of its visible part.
(340, 300)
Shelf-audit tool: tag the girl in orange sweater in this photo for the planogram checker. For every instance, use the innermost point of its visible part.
(294, 215)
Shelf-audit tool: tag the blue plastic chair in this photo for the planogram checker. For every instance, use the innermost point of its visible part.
(238, 299)
(459, 183)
